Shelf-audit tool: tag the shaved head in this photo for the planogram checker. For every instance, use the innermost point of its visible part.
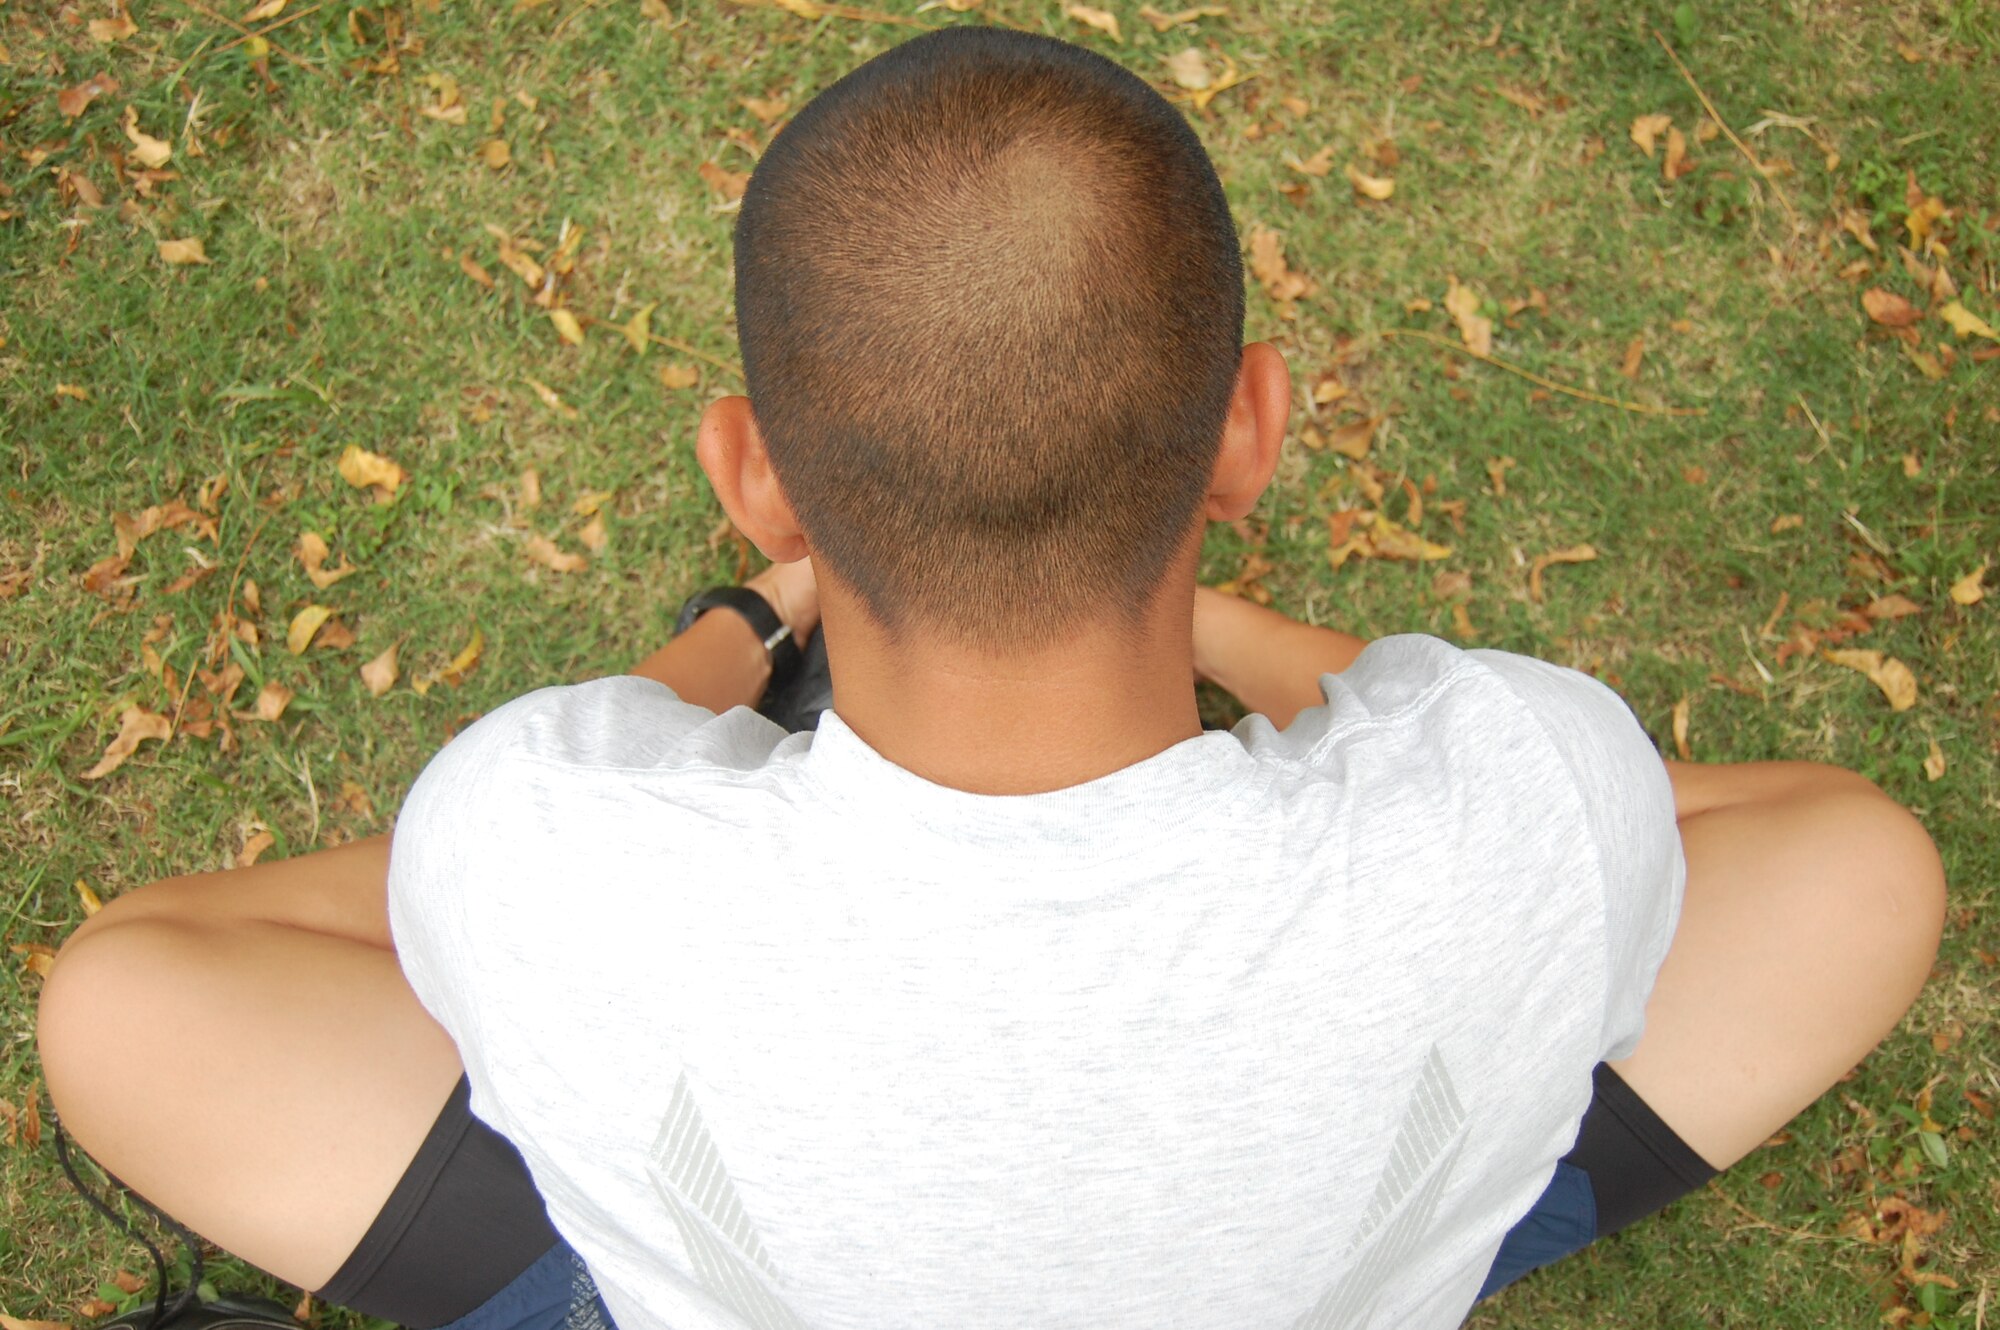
(991, 310)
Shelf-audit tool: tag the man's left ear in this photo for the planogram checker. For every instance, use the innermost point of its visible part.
(732, 454)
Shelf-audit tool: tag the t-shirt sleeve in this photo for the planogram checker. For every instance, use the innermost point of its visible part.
(1628, 803)
(449, 872)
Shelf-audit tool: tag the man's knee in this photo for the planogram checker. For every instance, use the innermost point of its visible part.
(1897, 892)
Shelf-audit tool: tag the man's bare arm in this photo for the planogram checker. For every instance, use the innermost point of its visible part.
(1270, 662)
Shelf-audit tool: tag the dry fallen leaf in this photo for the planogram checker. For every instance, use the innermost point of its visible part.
(567, 327)
(1965, 323)
(1677, 162)
(115, 29)
(496, 154)
(313, 555)
(550, 399)
(1379, 188)
(1787, 522)
(1889, 309)
(1095, 18)
(1354, 438)
(1635, 351)
(728, 185)
(470, 267)
(545, 552)
(379, 674)
(1267, 265)
(1163, 22)
(73, 102)
(1681, 710)
(593, 535)
(148, 151)
(87, 898)
(183, 251)
(1892, 676)
(1189, 69)
(135, 726)
(1567, 554)
(1934, 762)
(361, 469)
(1463, 303)
(1970, 589)
(1895, 605)
(305, 626)
(272, 699)
(254, 845)
(765, 111)
(1318, 164)
(638, 329)
(1646, 131)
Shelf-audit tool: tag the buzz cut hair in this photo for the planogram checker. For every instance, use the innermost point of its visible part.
(990, 303)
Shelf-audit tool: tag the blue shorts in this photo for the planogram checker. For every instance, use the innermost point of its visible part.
(557, 1292)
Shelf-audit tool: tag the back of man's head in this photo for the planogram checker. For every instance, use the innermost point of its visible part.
(990, 303)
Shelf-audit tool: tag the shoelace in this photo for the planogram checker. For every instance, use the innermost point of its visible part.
(161, 1311)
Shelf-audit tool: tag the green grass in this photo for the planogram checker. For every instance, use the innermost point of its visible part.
(335, 311)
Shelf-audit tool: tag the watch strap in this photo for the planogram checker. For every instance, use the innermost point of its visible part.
(779, 641)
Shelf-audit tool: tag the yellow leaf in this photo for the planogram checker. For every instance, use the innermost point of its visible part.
(1923, 217)
(1095, 18)
(1387, 540)
(1892, 676)
(1677, 163)
(313, 555)
(183, 251)
(1567, 554)
(361, 468)
(586, 505)
(1934, 762)
(112, 29)
(515, 259)
(91, 903)
(272, 699)
(1267, 265)
(1318, 164)
(545, 552)
(496, 154)
(638, 329)
(73, 391)
(567, 327)
(1463, 303)
(1376, 187)
(461, 664)
(1162, 22)
(305, 626)
(550, 399)
(1970, 589)
(1681, 710)
(680, 376)
(135, 726)
(379, 674)
(148, 151)
(1646, 131)
(1927, 364)
(1965, 323)
(254, 845)
(593, 536)
(1189, 69)
(265, 9)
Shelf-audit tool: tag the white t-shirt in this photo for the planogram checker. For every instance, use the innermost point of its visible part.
(1271, 1030)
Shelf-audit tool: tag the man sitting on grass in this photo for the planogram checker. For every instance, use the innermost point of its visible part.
(1009, 997)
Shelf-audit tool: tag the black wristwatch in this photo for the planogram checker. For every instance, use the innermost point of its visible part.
(777, 634)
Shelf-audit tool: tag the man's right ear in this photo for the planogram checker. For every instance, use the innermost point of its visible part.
(732, 454)
(1252, 435)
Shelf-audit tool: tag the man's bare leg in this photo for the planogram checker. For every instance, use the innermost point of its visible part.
(242, 1049)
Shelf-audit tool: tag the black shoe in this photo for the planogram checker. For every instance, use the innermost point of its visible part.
(230, 1313)
(798, 706)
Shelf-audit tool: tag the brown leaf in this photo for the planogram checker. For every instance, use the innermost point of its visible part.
(115, 29)
(1163, 22)
(87, 898)
(135, 726)
(1855, 223)
(254, 845)
(128, 1282)
(1635, 351)
(517, 260)
(1677, 163)
(1496, 472)
(379, 675)
(336, 636)
(313, 554)
(1646, 131)
(1267, 265)
(766, 111)
(545, 552)
(73, 102)
(468, 266)
(1787, 522)
(550, 399)
(148, 151)
(1354, 439)
(362, 469)
(593, 536)
(183, 251)
(680, 376)
(1682, 709)
(496, 154)
(1095, 18)
(1895, 605)
(1892, 676)
(1318, 164)
(1379, 188)
(728, 185)
(272, 699)
(305, 626)
(1889, 309)
(638, 330)
(1970, 589)
(1527, 99)
(1567, 554)
(1463, 303)
(1934, 770)
(531, 490)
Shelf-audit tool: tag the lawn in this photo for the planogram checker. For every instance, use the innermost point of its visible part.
(1706, 409)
